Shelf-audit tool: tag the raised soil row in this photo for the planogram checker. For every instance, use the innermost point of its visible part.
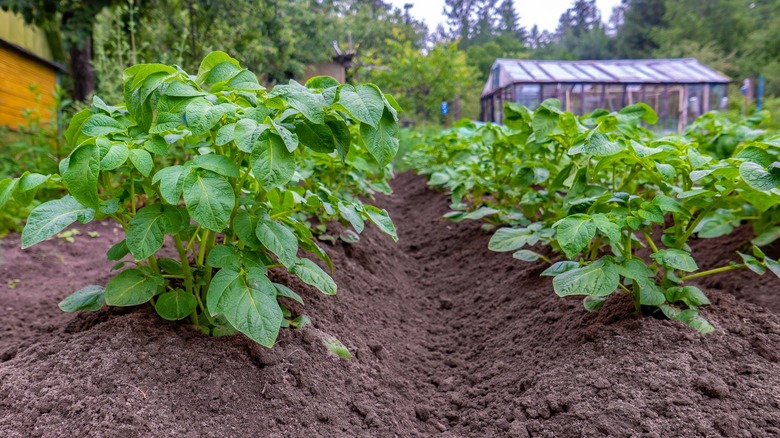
(448, 339)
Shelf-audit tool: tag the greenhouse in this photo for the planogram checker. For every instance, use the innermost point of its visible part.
(679, 90)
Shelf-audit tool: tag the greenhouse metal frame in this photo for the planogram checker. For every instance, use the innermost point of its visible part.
(679, 90)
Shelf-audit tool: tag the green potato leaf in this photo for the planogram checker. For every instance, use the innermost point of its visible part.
(350, 213)
(248, 302)
(171, 180)
(132, 287)
(364, 103)
(382, 141)
(510, 239)
(575, 233)
(146, 230)
(245, 224)
(218, 164)
(209, 199)
(224, 256)
(99, 125)
(598, 279)
(690, 295)
(51, 217)
(753, 263)
(289, 139)
(89, 298)
(286, 292)
(272, 164)
(675, 259)
(308, 103)
(313, 275)
(210, 61)
(81, 175)
(116, 156)
(175, 305)
(279, 240)
(757, 177)
(142, 160)
(381, 219)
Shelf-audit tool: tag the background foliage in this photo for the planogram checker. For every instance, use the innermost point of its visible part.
(279, 38)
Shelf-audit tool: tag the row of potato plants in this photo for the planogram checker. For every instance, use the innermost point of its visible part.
(616, 203)
(237, 179)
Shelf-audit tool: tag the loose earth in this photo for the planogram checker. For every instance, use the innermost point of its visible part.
(447, 339)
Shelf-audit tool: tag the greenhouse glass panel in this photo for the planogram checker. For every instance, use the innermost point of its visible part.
(592, 97)
(528, 95)
(613, 97)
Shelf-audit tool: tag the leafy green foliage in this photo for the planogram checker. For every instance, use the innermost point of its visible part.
(232, 175)
(30, 151)
(423, 79)
(602, 191)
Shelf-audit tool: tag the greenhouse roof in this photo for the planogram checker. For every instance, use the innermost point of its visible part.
(615, 71)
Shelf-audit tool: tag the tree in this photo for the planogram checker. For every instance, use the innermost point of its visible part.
(636, 34)
(482, 56)
(509, 21)
(712, 28)
(422, 80)
(486, 30)
(582, 17)
(479, 21)
(761, 53)
(580, 35)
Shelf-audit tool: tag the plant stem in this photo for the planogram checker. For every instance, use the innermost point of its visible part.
(153, 263)
(207, 269)
(614, 176)
(702, 214)
(650, 241)
(628, 251)
(713, 271)
(188, 280)
(637, 297)
(203, 310)
(192, 240)
(185, 263)
(120, 221)
(628, 178)
(284, 213)
(132, 194)
(594, 248)
(204, 243)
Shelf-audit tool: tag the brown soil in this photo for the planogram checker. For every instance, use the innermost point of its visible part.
(447, 338)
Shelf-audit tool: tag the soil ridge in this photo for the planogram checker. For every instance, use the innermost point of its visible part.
(448, 339)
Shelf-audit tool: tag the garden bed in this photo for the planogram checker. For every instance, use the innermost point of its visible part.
(447, 338)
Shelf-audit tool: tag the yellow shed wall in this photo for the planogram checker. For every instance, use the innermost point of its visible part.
(17, 73)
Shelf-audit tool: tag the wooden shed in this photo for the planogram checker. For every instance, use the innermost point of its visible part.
(28, 72)
(679, 90)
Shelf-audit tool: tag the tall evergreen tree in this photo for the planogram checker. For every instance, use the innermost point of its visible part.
(636, 34)
(509, 20)
(580, 35)
(582, 17)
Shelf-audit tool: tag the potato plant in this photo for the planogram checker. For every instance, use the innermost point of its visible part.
(225, 172)
(617, 203)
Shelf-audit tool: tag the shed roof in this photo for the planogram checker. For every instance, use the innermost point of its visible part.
(617, 71)
(26, 39)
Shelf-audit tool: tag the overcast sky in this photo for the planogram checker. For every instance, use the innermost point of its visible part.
(544, 13)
